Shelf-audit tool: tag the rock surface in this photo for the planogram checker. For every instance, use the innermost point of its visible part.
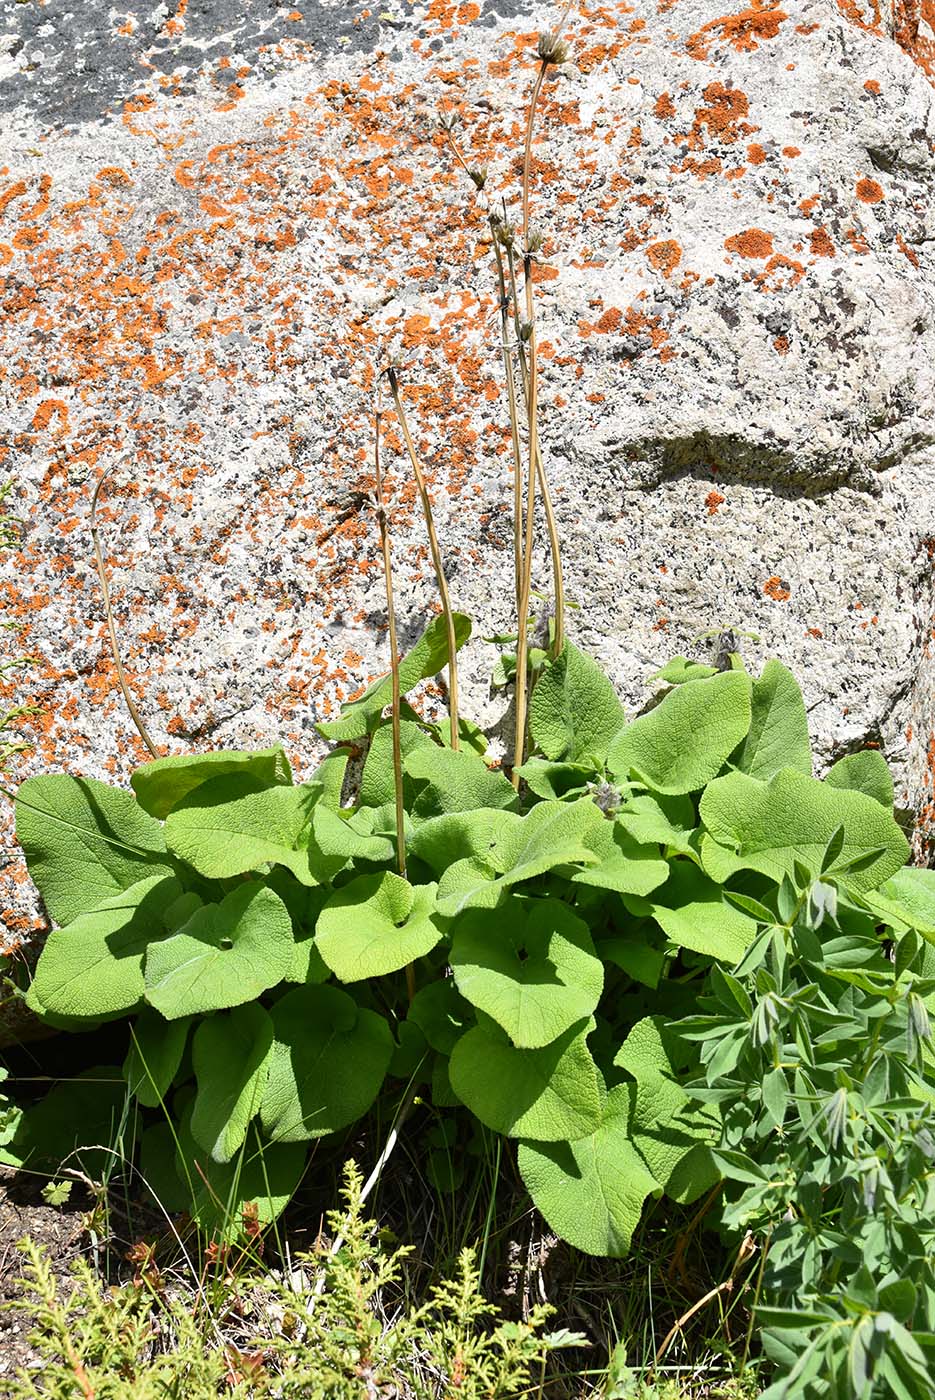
(215, 218)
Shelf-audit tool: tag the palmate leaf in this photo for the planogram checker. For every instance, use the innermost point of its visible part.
(162, 784)
(754, 825)
(231, 1056)
(530, 966)
(680, 745)
(92, 969)
(427, 658)
(85, 842)
(553, 1094)
(592, 1191)
(329, 1061)
(574, 712)
(778, 734)
(224, 955)
(377, 924)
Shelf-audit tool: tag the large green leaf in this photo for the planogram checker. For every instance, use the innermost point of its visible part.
(574, 712)
(85, 842)
(154, 1056)
(224, 955)
(161, 785)
(866, 771)
(553, 1094)
(82, 1121)
(456, 780)
(231, 1056)
(623, 865)
(592, 1191)
(552, 834)
(768, 826)
(231, 824)
(427, 658)
(682, 743)
(329, 1061)
(665, 821)
(691, 909)
(906, 900)
(778, 734)
(377, 784)
(530, 966)
(377, 924)
(93, 968)
(671, 1134)
(441, 841)
(441, 1013)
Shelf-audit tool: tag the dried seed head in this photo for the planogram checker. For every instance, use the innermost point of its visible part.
(448, 120)
(525, 331)
(503, 232)
(479, 175)
(552, 49)
(535, 240)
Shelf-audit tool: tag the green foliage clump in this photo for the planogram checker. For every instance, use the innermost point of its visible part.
(328, 1335)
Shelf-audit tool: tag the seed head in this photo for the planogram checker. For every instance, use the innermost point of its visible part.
(535, 240)
(503, 232)
(448, 120)
(479, 175)
(552, 49)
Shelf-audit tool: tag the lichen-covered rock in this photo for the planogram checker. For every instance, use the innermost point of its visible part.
(215, 219)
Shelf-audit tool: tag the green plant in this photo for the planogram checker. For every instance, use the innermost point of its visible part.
(153, 1337)
(817, 1052)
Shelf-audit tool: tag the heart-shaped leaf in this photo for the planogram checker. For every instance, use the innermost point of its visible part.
(531, 967)
(225, 954)
(622, 864)
(427, 658)
(93, 968)
(154, 1057)
(329, 1060)
(377, 924)
(441, 1013)
(231, 1055)
(85, 842)
(769, 826)
(574, 712)
(592, 1191)
(778, 733)
(162, 784)
(681, 744)
(553, 1094)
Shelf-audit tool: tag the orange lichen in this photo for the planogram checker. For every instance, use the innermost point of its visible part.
(664, 107)
(752, 243)
(870, 191)
(742, 31)
(664, 256)
(777, 588)
(822, 246)
(713, 501)
(722, 118)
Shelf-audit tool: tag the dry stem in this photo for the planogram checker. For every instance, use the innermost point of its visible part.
(112, 631)
(436, 558)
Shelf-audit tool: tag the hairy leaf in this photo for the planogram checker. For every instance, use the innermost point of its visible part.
(866, 771)
(230, 825)
(456, 781)
(93, 968)
(553, 1094)
(622, 864)
(329, 1060)
(441, 1013)
(682, 743)
(574, 712)
(592, 1191)
(778, 734)
(162, 784)
(225, 954)
(530, 966)
(85, 842)
(427, 658)
(691, 910)
(768, 826)
(377, 924)
(154, 1056)
(231, 1056)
